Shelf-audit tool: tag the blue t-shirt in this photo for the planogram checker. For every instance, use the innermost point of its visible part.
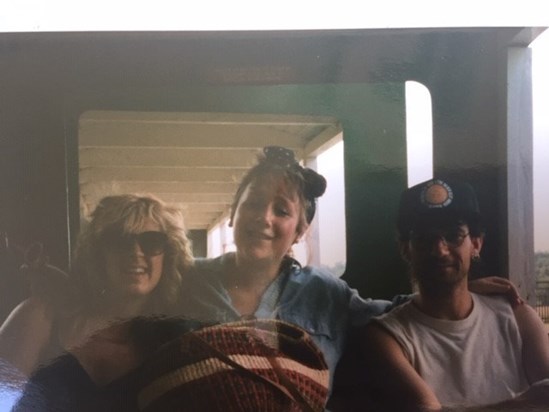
(317, 301)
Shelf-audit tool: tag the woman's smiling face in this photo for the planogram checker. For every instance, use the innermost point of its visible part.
(129, 270)
(266, 220)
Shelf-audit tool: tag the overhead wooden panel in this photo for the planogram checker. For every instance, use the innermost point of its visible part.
(191, 160)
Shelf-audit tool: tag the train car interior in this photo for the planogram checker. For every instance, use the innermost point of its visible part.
(182, 115)
(99, 113)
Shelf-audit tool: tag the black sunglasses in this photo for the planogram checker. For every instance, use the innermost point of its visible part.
(281, 156)
(151, 243)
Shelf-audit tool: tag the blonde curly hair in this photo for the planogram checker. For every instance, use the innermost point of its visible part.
(128, 214)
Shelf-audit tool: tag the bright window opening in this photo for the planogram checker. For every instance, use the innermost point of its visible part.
(540, 93)
(419, 133)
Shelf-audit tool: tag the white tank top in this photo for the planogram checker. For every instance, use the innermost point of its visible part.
(474, 361)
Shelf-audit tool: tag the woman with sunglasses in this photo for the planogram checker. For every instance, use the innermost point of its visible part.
(128, 264)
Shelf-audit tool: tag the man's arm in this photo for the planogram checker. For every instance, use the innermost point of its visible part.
(392, 376)
(535, 343)
(535, 358)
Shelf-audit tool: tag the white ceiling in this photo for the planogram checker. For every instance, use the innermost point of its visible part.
(192, 160)
(164, 15)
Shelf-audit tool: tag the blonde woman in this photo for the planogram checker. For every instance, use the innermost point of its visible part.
(128, 264)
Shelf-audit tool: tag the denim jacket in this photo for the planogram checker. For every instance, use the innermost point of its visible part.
(317, 301)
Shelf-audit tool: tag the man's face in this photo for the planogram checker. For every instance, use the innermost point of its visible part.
(441, 256)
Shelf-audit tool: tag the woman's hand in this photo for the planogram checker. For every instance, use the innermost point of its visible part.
(46, 281)
(495, 285)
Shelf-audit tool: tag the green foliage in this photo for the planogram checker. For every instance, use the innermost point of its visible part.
(542, 265)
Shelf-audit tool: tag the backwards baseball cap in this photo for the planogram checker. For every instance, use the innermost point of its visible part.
(437, 201)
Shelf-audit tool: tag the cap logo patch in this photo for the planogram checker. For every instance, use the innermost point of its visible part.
(436, 194)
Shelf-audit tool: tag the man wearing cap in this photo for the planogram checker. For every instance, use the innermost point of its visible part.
(449, 347)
